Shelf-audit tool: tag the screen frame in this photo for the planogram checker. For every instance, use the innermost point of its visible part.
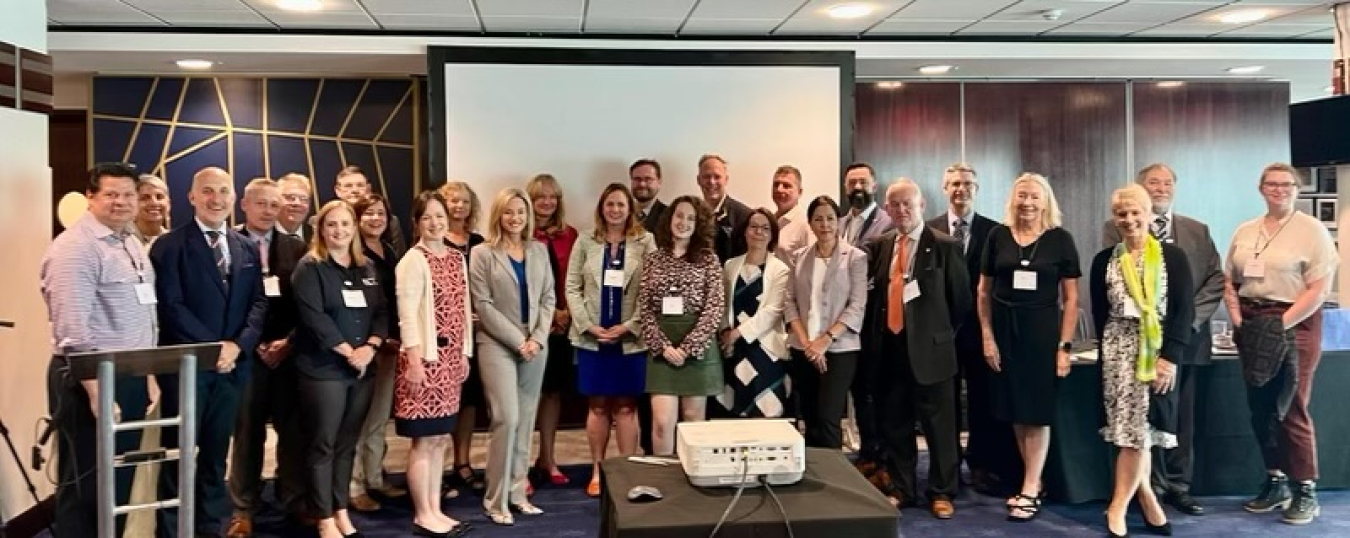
(439, 56)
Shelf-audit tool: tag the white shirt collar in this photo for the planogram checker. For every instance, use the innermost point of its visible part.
(299, 230)
(867, 211)
(221, 230)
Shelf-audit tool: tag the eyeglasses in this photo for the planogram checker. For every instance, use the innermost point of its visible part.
(1278, 185)
(295, 198)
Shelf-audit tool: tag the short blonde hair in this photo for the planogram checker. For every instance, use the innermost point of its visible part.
(494, 234)
(535, 188)
(1051, 217)
(152, 180)
(297, 178)
(451, 188)
(1134, 194)
(319, 249)
(258, 183)
(1280, 167)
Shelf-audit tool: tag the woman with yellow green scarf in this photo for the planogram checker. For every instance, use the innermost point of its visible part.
(1141, 304)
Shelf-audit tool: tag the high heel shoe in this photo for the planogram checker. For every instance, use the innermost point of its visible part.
(1106, 518)
(1161, 530)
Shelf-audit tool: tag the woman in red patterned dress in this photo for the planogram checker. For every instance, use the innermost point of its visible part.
(432, 283)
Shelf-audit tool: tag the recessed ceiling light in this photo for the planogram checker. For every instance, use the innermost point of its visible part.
(1171, 84)
(1243, 16)
(936, 69)
(1246, 69)
(849, 11)
(300, 5)
(890, 84)
(195, 65)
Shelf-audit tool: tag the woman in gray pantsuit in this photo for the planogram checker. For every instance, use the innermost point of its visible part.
(511, 283)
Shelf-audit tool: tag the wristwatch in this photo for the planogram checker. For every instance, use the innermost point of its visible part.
(1066, 346)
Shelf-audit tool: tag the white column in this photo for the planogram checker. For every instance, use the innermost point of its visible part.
(1341, 14)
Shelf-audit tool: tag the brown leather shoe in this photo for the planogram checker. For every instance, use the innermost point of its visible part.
(363, 503)
(942, 507)
(240, 527)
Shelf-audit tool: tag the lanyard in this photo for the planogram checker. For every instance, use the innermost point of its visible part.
(135, 264)
(1262, 231)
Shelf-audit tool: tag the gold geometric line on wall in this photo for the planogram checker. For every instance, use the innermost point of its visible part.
(248, 130)
(267, 147)
(160, 169)
(379, 170)
(352, 112)
(188, 150)
(136, 131)
(393, 114)
(417, 137)
(314, 109)
(224, 107)
(342, 155)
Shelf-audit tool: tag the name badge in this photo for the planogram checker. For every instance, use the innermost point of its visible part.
(911, 291)
(145, 293)
(614, 278)
(354, 298)
(1129, 309)
(272, 286)
(1255, 268)
(1024, 280)
(672, 306)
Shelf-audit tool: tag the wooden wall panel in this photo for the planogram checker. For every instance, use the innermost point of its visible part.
(68, 155)
(912, 131)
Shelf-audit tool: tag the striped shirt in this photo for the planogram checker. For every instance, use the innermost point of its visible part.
(89, 276)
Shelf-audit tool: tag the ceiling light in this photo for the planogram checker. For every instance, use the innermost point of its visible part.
(936, 69)
(300, 5)
(1246, 69)
(1171, 84)
(849, 11)
(890, 84)
(1243, 16)
(195, 65)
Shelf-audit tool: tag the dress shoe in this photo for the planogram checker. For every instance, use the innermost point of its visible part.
(941, 507)
(527, 509)
(240, 527)
(389, 491)
(1110, 533)
(363, 503)
(593, 488)
(1184, 503)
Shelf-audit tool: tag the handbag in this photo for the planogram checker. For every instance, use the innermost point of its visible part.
(1263, 347)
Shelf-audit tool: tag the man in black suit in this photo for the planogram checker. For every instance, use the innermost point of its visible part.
(920, 295)
(644, 177)
(270, 392)
(1171, 473)
(210, 289)
(729, 215)
(989, 440)
(296, 199)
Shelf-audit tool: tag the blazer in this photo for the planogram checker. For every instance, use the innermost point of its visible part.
(729, 227)
(416, 304)
(195, 305)
(879, 222)
(844, 303)
(283, 254)
(980, 226)
(654, 216)
(933, 318)
(1180, 308)
(496, 296)
(766, 326)
(1194, 239)
(583, 287)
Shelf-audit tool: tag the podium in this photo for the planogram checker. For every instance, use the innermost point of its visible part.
(105, 366)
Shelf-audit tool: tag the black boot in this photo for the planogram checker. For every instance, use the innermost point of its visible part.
(1274, 494)
(1304, 508)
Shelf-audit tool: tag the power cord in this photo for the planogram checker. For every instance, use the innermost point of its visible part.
(765, 481)
(745, 473)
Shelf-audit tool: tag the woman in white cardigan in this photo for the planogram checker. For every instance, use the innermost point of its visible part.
(755, 344)
(432, 284)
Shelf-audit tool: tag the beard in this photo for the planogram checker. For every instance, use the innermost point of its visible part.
(859, 199)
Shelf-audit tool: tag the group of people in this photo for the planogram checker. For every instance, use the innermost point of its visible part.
(661, 313)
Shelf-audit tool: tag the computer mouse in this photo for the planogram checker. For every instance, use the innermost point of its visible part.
(644, 494)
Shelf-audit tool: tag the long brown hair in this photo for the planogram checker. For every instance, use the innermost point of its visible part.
(701, 243)
(632, 227)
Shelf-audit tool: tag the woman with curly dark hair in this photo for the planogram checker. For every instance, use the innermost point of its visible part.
(682, 302)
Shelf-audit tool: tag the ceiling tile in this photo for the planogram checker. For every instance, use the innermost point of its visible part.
(948, 10)
(1313, 15)
(917, 27)
(813, 18)
(441, 8)
(530, 8)
(1149, 12)
(1274, 30)
(444, 23)
(1108, 29)
(623, 9)
(745, 9)
(1011, 27)
(267, 7)
(1030, 10)
(625, 25)
(1272, 11)
(533, 24)
(154, 6)
(88, 13)
(1180, 29)
(325, 19)
(729, 26)
(208, 18)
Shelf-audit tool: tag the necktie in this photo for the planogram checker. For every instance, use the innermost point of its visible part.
(961, 232)
(1160, 227)
(895, 292)
(214, 240)
(262, 252)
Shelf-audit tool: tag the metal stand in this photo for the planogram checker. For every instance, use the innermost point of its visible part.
(184, 360)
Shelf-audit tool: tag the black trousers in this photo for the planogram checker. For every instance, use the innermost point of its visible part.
(331, 414)
(77, 441)
(1172, 468)
(863, 390)
(824, 396)
(269, 395)
(900, 402)
(989, 440)
(217, 407)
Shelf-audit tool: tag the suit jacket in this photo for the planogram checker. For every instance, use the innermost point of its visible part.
(195, 305)
(654, 216)
(496, 296)
(979, 227)
(584, 279)
(931, 319)
(1194, 239)
(879, 222)
(766, 326)
(843, 297)
(728, 228)
(283, 254)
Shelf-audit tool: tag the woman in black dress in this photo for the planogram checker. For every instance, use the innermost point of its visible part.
(1030, 268)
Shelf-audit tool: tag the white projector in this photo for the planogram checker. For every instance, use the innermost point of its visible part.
(723, 453)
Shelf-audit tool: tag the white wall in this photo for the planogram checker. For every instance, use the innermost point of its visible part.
(25, 215)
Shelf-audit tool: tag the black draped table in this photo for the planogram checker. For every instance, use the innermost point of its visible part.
(1227, 459)
(832, 500)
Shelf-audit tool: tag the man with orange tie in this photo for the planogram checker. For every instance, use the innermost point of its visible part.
(920, 295)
